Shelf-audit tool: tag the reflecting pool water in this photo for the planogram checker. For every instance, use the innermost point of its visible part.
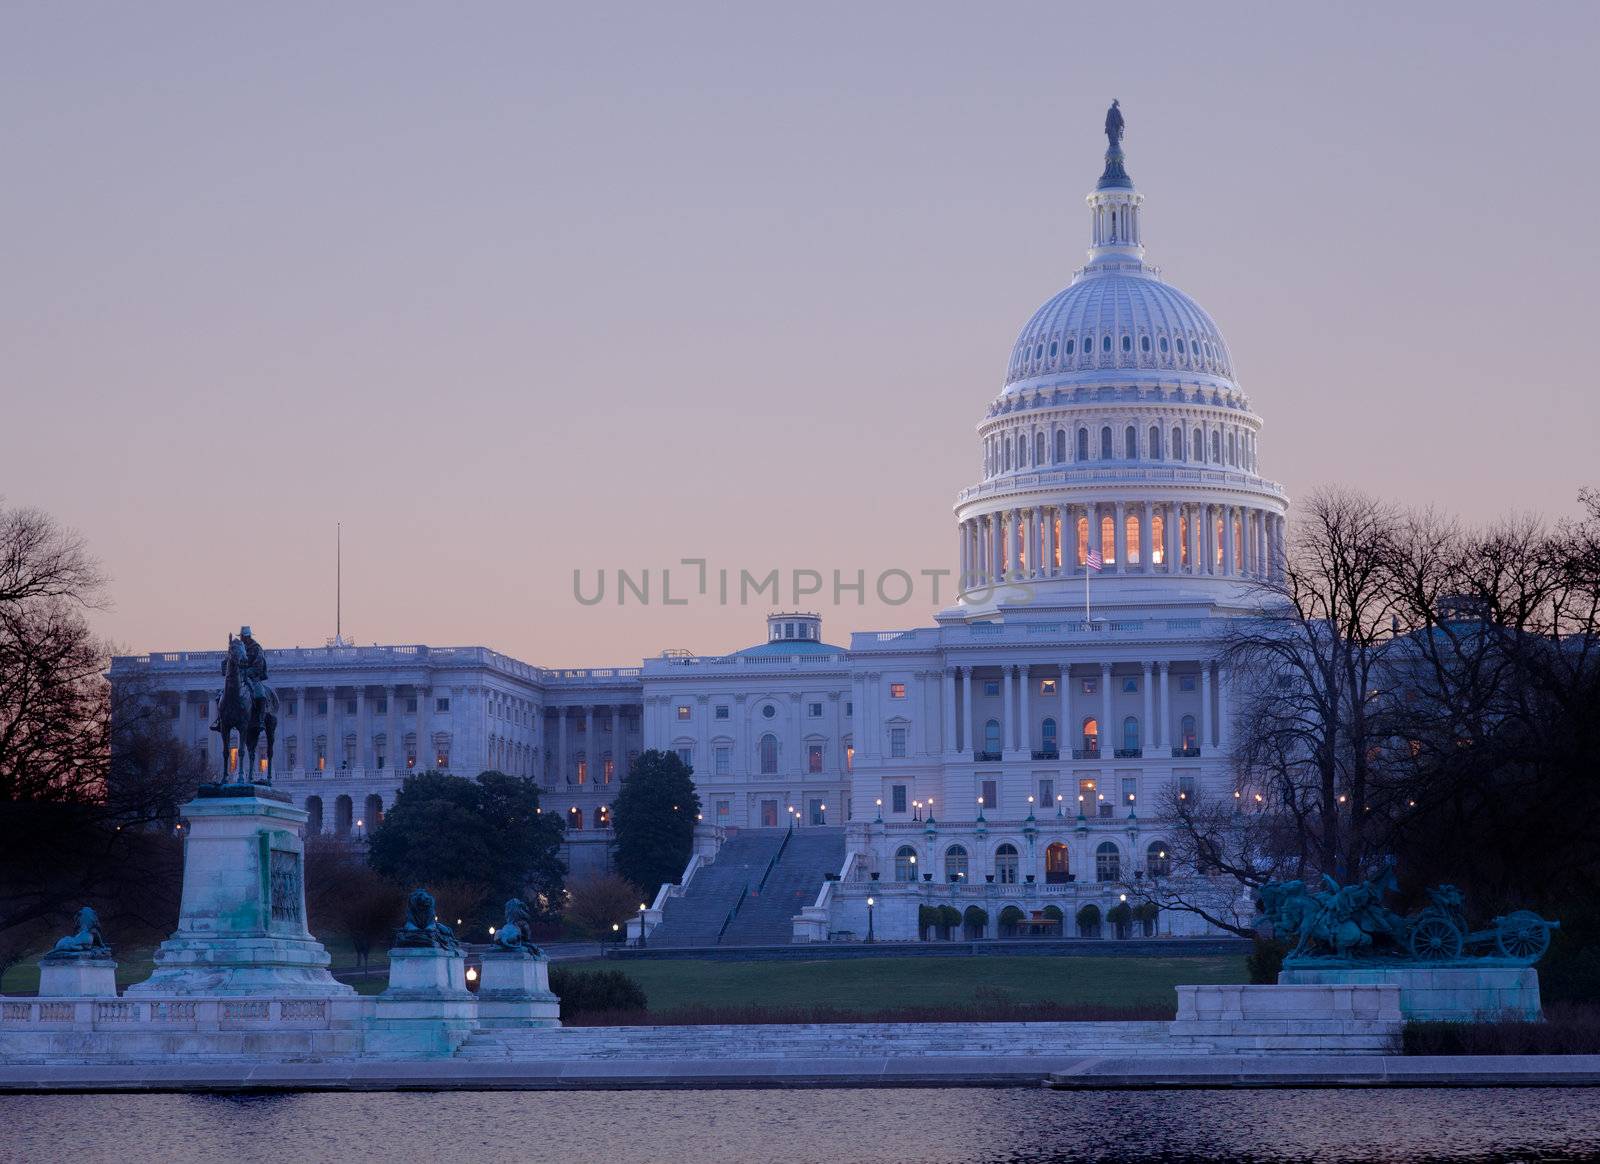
(837, 1127)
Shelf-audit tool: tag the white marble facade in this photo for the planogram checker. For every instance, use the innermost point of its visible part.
(1019, 737)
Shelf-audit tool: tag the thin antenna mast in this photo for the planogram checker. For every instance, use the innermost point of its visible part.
(338, 581)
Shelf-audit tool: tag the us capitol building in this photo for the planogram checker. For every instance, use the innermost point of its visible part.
(1010, 758)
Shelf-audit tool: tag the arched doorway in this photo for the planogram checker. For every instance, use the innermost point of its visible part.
(1055, 864)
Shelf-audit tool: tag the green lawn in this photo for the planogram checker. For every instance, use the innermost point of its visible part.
(873, 984)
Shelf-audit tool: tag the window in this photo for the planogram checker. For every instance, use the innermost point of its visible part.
(768, 711)
(722, 759)
(608, 766)
(720, 711)
(1157, 860)
(1155, 443)
(1061, 445)
(897, 691)
(988, 794)
(441, 704)
(991, 737)
(849, 709)
(769, 814)
(1052, 349)
(686, 754)
(683, 711)
(1144, 343)
(723, 809)
(350, 707)
(1091, 736)
(1127, 343)
(1105, 440)
(1158, 538)
(897, 798)
(1047, 687)
(955, 863)
(411, 705)
(293, 704)
(1069, 347)
(1005, 864)
(991, 687)
(322, 707)
(1187, 734)
(1130, 790)
(1055, 864)
(1048, 730)
(1186, 682)
(769, 754)
(1038, 446)
(1083, 444)
(1047, 794)
(813, 758)
(817, 811)
(849, 758)
(1107, 862)
(1216, 447)
(1185, 787)
(575, 818)
(1105, 343)
(1130, 685)
(383, 707)
(1177, 443)
(1130, 444)
(1087, 793)
(897, 743)
(905, 863)
(1197, 451)
(1108, 540)
(814, 710)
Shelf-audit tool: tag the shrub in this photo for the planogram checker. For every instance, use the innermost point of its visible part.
(949, 917)
(1567, 1029)
(1053, 912)
(599, 901)
(1088, 916)
(1265, 960)
(590, 991)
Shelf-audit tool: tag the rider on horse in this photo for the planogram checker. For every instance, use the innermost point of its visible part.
(252, 677)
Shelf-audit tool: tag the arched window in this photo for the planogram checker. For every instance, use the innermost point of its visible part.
(1069, 347)
(1052, 349)
(1005, 864)
(1177, 443)
(905, 863)
(1144, 343)
(1130, 443)
(1049, 735)
(1083, 541)
(1158, 538)
(1105, 343)
(1199, 451)
(1038, 448)
(1083, 444)
(1180, 345)
(1127, 343)
(769, 754)
(1022, 451)
(575, 819)
(1130, 736)
(1163, 345)
(991, 737)
(1006, 446)
(1107, 862)
(1091, 737)
(1155, 442)
(1233, 449)
(1157, 860)
(955, 863)
(1108, 540)
(1105, 443)
(1130, 536)
(1061, 445)
(1055, 864)
(1187, 734)
(314, 809)
(1216, 447)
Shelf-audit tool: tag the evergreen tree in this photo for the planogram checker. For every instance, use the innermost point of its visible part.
(654, 818)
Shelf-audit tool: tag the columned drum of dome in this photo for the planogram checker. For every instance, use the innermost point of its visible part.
(1121, 435)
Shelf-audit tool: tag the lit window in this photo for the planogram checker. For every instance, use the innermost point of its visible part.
(683, 711)
(905, 863)
(813, 757)
(1090, 686)
(897, 691)
(723, 807)
(1047, 687)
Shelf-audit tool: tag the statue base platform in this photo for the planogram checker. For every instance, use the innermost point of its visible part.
(77, 978)
(1462, 992)
(1321, 1019)
(427, 1010)
(514, 991)
(241, 925)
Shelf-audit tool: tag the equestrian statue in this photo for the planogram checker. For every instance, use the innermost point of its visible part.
(247, 705)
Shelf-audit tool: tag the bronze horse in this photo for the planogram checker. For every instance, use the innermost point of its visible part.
(240, 710)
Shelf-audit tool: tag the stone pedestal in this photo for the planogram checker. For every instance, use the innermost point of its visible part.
(1458, 993)
(514, 991)
(77, 977)
(427, 1010)
(242, 923)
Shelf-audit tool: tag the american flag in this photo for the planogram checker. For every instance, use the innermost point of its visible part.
(1096, 562)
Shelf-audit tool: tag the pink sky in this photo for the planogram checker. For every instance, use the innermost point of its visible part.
(512, 291)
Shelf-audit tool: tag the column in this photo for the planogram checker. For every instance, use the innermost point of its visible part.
(1164, 717)
(966, 710)
(1147, 737)
(997, 548)
(1108, 747)
(363, 759)
(1119, 535)
(1224, 724)
(590, 752)
(563, 765)
(303, 747)
(392, 746)
(335, 742)
(1205, 705)
(1146, 537)
(1230, 549)
(1169, 534)
(1094, 530)
(1067, 736)
(1008, 722)
(1025, 720)
(947, 681)
(427, 758)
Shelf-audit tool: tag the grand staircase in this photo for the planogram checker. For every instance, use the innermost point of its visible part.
(749, 895)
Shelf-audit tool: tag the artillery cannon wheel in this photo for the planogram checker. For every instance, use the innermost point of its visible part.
(1522, 935)
(1435, 939)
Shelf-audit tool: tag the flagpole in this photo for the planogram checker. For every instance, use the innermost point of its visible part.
(1086, 572)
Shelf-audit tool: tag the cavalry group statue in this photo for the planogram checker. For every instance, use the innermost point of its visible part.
(1350, 923)
(247, 705)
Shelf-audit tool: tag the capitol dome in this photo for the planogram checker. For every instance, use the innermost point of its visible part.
(1106, 320)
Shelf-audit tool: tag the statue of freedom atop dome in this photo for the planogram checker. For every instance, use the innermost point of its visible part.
(1114, 124)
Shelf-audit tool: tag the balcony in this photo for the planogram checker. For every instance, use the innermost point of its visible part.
(1129, 753)
(986, 757)
(1047, 754)
(1185, 751)
(1090, 753)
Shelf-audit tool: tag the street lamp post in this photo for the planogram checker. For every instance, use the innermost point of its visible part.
(642, 908)
(870, 904)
